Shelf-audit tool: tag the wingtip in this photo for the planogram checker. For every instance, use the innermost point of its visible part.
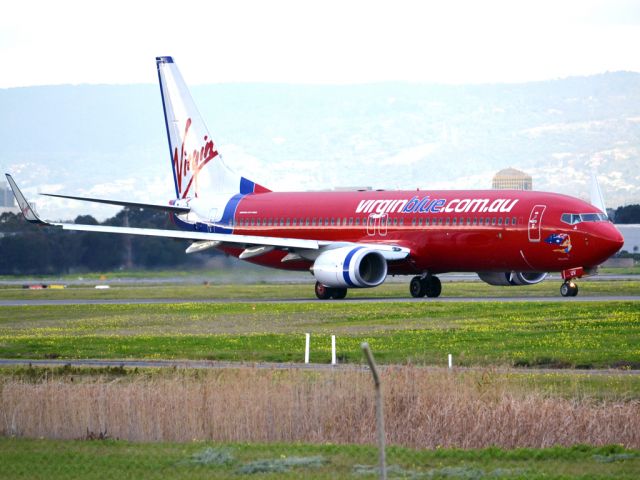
(27, 210)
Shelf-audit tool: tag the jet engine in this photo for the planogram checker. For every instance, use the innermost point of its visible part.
(350, 267)
(512, 278)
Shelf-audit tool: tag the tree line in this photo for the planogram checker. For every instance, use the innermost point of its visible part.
(32, 249)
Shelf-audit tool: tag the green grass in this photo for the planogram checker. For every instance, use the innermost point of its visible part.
(583, 335)
(50, 459)
(305, 291)
(635, 270)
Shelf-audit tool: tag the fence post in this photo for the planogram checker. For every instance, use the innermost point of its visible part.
(333, 349)
(450, 361)
(306, 347)
(379, 413)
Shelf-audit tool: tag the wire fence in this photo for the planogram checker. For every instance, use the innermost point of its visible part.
(286, 423)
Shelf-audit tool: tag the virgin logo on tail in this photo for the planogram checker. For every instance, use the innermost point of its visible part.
(187, 165)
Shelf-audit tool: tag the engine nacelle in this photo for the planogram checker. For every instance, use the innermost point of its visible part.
(350, 267)
(512, 278)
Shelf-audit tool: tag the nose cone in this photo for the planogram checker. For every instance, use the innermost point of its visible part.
(611, 240)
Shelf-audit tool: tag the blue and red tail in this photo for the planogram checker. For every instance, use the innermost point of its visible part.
(198, 168)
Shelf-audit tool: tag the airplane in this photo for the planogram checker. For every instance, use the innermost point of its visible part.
(356, 239)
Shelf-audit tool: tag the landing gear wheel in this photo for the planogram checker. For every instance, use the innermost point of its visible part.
(338, 293)
(569, 289)
(322, 292)
(433, 287)
(417, 287)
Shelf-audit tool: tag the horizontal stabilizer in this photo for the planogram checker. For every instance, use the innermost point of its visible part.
(150, 206)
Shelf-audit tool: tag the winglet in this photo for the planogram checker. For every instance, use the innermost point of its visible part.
(26, 209)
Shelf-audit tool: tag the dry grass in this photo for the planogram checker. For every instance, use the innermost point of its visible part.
(423, 409)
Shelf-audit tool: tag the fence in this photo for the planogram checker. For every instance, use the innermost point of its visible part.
(233, 422)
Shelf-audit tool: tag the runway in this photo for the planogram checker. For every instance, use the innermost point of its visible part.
(153, 301)
(214, 364)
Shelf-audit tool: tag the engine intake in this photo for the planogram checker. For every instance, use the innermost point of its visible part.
(512, 278)
(359, 267)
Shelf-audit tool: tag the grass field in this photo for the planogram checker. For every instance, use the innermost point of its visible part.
(43, 459)
(313, 420)
(583, 335)
(305, 291)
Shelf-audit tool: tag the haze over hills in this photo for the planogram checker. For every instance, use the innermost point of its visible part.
(106, 140)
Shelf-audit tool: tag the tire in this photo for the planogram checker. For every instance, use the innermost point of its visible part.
(566, 290)
(322, 292)
(433, 287)
(417, 287)
(338, 293)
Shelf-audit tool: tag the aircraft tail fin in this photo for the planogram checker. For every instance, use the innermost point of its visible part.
(197, 165)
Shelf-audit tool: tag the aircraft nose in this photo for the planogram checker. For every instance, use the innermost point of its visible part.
(613, 239)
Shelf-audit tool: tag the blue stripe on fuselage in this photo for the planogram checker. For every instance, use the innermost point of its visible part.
(227, 217)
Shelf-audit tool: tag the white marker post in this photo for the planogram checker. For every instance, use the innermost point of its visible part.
(306, 347)
(333, 349)
(450, 361)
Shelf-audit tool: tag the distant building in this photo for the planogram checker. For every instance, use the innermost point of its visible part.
(7, 201)
(512, 179)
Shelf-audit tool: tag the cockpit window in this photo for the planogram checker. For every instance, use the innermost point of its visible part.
(575, 218)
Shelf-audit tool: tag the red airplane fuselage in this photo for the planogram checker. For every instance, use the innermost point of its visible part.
(453, 230)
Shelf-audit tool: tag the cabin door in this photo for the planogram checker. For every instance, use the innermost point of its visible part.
(535, 223)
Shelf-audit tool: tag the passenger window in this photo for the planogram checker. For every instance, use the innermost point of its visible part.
(506, 221)
(475, 220)
(413, 221)
(454, 221)
(350, 220)
(493, 221)
(513, 221)
(500, 221)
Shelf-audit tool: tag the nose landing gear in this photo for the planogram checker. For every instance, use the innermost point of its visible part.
(569, 289)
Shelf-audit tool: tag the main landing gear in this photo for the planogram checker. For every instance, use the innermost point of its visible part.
(428, 285)
(325, 293)
(569, 289)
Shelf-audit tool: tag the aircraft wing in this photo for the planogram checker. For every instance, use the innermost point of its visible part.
(305, 246)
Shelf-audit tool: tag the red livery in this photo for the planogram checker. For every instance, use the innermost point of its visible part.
(355, 239)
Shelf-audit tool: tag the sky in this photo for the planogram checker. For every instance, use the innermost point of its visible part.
(293, 41)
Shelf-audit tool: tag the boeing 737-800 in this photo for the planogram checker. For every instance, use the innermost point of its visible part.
(356, 239)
